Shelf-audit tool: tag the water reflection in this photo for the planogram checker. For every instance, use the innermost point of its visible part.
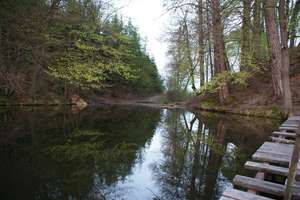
(123, 153)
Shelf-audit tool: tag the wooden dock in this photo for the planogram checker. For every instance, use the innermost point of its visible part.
(279, 157)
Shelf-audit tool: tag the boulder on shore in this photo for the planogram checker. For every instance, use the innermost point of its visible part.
(78, 101)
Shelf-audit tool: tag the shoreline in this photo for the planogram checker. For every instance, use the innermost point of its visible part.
(261, 112)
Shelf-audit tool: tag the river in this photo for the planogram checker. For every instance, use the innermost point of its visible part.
(123, 152)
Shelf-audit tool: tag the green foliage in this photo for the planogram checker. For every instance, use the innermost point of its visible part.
(277, 112)
(111, 58)
(239, 79)
(72, 43)
(177, 95)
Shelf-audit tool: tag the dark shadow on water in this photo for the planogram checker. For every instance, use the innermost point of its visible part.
(108, 152)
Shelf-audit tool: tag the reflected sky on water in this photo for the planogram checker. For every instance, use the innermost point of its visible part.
(118, 152)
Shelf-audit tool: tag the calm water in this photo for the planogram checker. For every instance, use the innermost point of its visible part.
(123, 153)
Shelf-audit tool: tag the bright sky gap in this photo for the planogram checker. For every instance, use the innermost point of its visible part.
(151, 20)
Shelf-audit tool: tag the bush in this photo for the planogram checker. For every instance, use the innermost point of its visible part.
(239, 79)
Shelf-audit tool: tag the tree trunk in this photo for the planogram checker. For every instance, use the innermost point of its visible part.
(201, 42)
(195, 163)
(214, 161)
(245, 42)
(206, 67)
(285, 61)
(189, 54)
(37, 53)
(209, 41)
(274, 46)
(293, 23)
(257, 30)
(219, 50)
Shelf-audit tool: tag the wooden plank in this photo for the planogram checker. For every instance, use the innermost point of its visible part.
(274, 153)
(272, 158)
(272, 147)
(259, 185)
(226, 198)
(284, 134)
(270, 169)
(297, 118)
(276, 145)
(289, 121)
(241, 195)
(259, 175)
(289, 125)
(264, 167)
(282, 140)
(286, 128)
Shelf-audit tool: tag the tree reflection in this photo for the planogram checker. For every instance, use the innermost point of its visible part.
(199, 158)
(89, 155)
(62, 155)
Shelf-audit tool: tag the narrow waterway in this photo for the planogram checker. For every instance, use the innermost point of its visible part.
(122, 152)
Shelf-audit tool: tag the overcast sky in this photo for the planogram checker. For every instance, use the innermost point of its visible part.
(149, 17)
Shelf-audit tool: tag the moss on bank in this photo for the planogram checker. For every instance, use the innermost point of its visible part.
(257, 111)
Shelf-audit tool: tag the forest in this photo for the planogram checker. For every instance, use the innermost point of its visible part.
(236, 53)
(220, 53)
(91, 108)
(50, 50)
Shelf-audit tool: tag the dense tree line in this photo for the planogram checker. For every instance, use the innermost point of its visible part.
(218, 43)
(63, 47)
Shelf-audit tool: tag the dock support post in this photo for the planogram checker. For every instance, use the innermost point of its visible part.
(293, 168)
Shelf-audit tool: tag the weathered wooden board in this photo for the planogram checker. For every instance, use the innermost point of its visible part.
(290, 125)
(270, 169)
(294, 118)
(279, 152)
(284, 134)
(274, 153)
(259, 185)
(230, 194)
(264, 186)
(282, 140)
(290, 121)
(226, 198)
(287, 128)
(272, 147)
(272, 158)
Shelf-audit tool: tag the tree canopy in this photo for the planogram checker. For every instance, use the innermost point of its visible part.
(62, 46)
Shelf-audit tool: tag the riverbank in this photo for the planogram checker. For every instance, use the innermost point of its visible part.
(255, 111)
(159, 101)
(189, 105)
(266, 112)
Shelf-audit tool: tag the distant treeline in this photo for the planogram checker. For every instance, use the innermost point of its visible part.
(62, 47)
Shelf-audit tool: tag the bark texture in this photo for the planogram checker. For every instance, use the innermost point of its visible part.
(285, 61)
(294, 22)
(246, 56)
(257, 30)
(201, 42)
(219, 48)
(274, 46)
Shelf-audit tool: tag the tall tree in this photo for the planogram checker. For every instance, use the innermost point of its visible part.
(294, 23)
(274, 46)
(285, 61)
(219, 48)
(201, 42)
(208, 24)
(246, 56)
(188, 52)
(257, 30)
